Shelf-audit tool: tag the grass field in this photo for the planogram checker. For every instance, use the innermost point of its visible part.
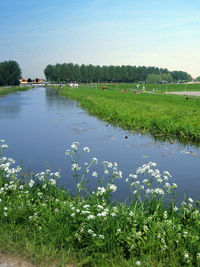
(159, 88)
(156, 113)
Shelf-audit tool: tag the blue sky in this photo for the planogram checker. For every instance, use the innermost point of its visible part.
(101, 32)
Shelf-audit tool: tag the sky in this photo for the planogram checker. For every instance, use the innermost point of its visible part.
(158, 33)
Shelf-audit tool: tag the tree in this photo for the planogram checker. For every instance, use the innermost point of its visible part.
(10, 73)
(167, 77)
(89, 73)
(154, 78)
(198, 79)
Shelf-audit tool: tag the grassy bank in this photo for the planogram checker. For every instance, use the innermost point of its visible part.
(11, 89)
(49, 226)
(158, 114)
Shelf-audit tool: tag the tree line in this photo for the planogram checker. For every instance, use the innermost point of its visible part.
(69, 72)
(10, 73)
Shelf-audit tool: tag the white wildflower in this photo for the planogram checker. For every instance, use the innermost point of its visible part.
(167, 185)
(102, 214)
(52, 181)
(167, 173)
(174, 185)
(31, 183)
(110, 165)
(101, 190)
(186, 255)
(74, 145)
(91, 217)
(75, 166)
(95, 160)
(175, 208)
(94, 174)
(190, 200)
(112, 187)
(106, 171)
(86, 149)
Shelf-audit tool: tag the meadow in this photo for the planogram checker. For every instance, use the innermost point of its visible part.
(158, 88)
(45, 224)
(153, 112)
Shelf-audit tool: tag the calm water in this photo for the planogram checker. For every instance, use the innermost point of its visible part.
(39, 125)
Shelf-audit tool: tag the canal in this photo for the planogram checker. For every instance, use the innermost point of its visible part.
(39, 125)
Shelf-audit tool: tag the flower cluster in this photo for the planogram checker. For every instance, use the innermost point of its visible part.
(154, 183)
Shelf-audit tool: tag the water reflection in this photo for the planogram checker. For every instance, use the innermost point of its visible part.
(9, 107)
(53, 99)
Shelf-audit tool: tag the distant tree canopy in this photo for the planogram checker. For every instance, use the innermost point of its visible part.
(198, 78)
(10, 73)
(68, 72)
(159, 78)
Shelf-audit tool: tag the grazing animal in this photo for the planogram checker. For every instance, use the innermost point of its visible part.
(104, 87)
(73, 85)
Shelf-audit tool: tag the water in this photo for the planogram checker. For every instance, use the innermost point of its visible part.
(39, 125)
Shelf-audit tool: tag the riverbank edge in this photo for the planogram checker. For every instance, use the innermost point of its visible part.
(12, 89)
(161, 130)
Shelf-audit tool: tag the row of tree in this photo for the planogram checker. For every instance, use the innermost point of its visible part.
(68, 72)
(10, 73)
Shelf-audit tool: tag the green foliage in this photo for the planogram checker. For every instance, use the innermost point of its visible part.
(154, 78)
(198, 78)
(10, 73)
(181, 76)
(89, 73)
(159, 78)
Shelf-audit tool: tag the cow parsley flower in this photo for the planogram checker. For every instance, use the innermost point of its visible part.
(52, 181)
(112, 187)
(86, 149)
(95, 160)
(95, 174)
(31, 183)
(91, 217)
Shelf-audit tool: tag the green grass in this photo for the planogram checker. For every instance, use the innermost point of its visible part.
(159, 114)
(159, 88)
(7, 90)
(47, 225)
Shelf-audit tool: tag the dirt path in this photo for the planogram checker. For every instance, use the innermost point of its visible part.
(192, 93)
(8, 260)
(11, 260)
